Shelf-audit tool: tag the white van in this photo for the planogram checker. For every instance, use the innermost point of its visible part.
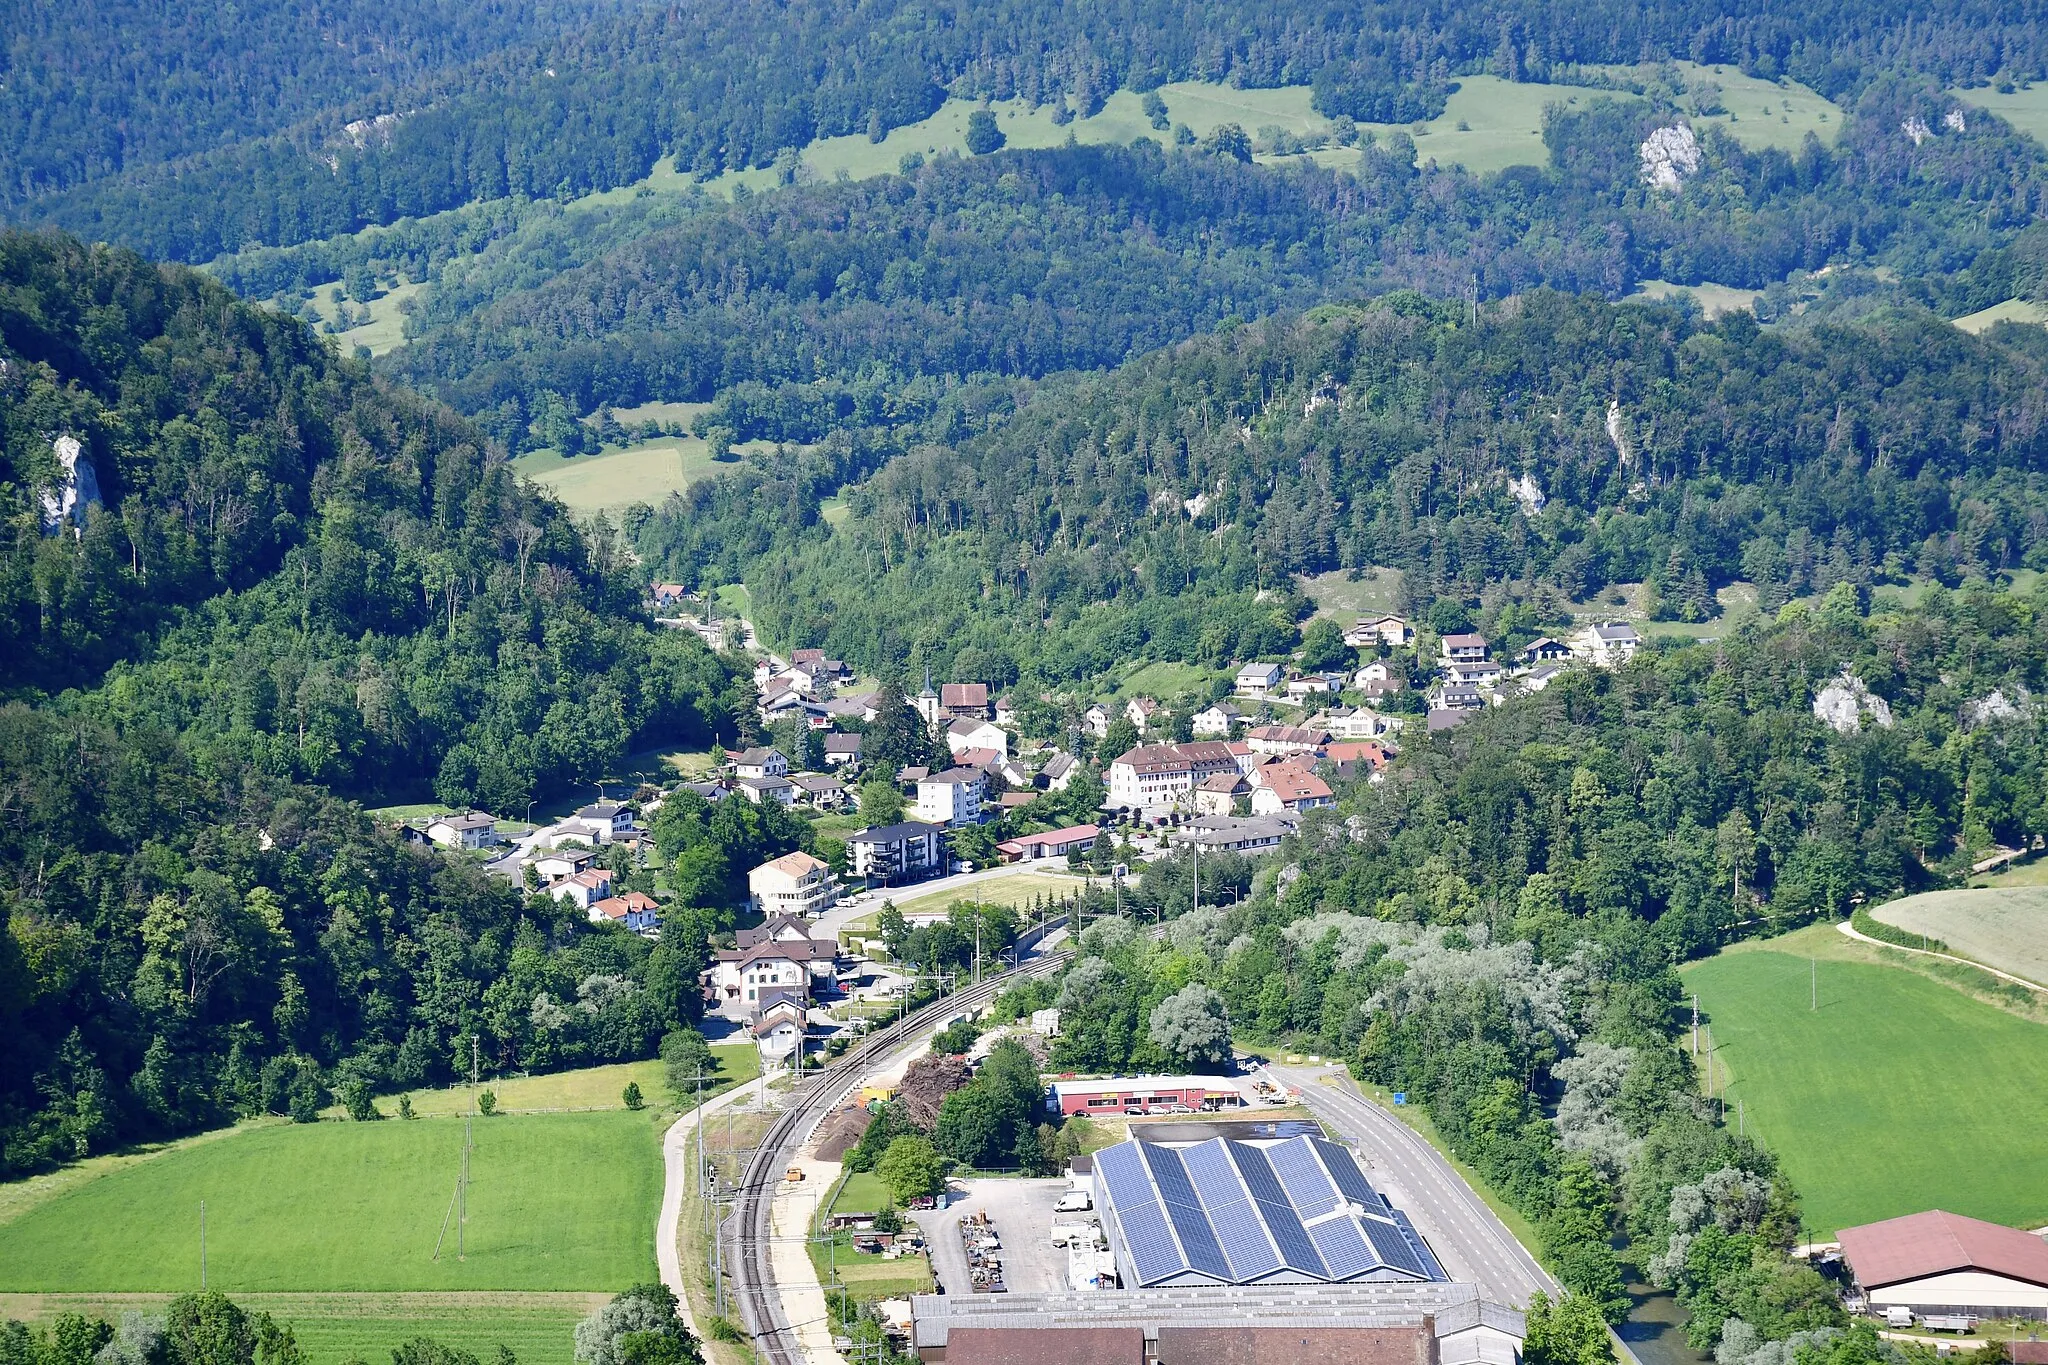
(1074, 1201)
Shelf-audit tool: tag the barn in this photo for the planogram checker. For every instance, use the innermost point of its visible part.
(1938, 1262)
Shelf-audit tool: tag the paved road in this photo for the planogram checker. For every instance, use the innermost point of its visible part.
(1466, 1235)
(677, 1157)
(835, 919)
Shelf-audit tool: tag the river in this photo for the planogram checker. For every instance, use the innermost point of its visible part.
(1655, 1329)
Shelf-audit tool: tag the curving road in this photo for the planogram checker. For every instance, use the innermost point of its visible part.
(1466, 1235)
(677, 1157)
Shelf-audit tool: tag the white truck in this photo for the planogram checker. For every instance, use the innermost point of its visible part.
(1074, 1201)
(1948, 1322)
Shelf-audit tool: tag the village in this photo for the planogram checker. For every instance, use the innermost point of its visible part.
(1115, 785)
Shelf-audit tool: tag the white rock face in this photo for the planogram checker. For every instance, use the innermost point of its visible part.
(1669, 156)
(1843, 704)
(77, 488)
(1917, 129)
(1995, 707)
(1954, 121)
(1616, 432)
(1529, 493)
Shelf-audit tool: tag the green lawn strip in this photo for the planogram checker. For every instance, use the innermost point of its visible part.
(1897, 1094)
(556, 1202)
(596, 1087)
(860, 1192)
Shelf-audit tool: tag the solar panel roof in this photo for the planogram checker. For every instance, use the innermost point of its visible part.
(1226, 1211)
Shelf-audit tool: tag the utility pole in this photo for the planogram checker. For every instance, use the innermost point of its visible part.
(202, 1245)
(1695, 1025)
(1196, 845)
(462, 1197)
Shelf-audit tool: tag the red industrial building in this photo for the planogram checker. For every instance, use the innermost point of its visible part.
(1122, 1094)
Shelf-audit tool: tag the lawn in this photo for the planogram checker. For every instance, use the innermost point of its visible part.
(861, 1192)
(385, 329)
(1337, 594)
(1897, 1094)
(1017, 889)
(334, 1328)
(2005, 928)
(595, 1087)
(1713, 299)
(1167, 678)
(2026, 110)
(2012, 310)
(556, 1202)
(643, 473)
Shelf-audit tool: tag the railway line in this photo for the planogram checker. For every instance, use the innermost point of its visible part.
(747, 1229)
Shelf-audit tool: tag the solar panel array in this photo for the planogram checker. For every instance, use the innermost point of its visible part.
(1233, 1212)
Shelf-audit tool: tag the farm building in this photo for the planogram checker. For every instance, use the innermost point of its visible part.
(1230, 1212)
(1938, 1262)
(1121, 1094)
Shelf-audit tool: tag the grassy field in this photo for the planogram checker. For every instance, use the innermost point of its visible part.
(1017, 889)
(1714, 299)
(2012, 310)
(1167, 679)
(383, 332)
(1897, 1094)
(1763, 113)
(1336, 594)
(595, 1087)
(861, 1192)
(2006, 928)
(2026, 110)
(556, 1202)
(333, 1328)
(643, 473)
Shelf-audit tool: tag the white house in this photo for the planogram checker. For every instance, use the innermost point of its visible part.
(1608, 645)
(841, 750)
(762, 790)
(969, 733)
(1285, 739)
(1368, 631)
(558, 863)
(471, 829)
(1282, 787)
(776, 958)
(951, 798)
(1259, 680)
(796, 885)
(1058, 771)
(1095, 720)
(1219, 793)
(1484, 672)
(760, 763)
(1466, 648)
(584, 889)
(1214, 720)
(1142, 712)
(607, 819)
(779, 1032)
(1544, 650)
(1161, 774)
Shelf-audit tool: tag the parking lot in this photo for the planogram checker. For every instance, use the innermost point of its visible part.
(1021, 1211)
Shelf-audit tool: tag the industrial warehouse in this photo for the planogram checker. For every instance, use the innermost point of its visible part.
(1231, 1212)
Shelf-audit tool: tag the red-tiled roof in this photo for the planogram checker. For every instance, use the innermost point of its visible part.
(1934, 1243)
(1047, 1345)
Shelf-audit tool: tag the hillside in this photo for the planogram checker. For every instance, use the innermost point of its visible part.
(1134, 514)
(737, 86)
(294, 580)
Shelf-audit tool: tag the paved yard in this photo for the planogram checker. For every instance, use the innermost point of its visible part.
(1021, 1211)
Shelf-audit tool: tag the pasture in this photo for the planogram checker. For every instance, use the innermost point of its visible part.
(2005, 928)
(608, 482)
(385, 329)
(1899, 1093)
(2025, 109)
(1713, 299)
(1339, 595)
(2012, 310)
(556, 1202)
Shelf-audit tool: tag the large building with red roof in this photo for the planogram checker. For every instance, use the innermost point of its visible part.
(1938, 1262)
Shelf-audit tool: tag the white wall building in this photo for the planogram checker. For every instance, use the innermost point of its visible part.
(795, 884)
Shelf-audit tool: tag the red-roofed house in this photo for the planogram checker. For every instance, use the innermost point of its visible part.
(1053, 843)
(636, 910)
(584, 889)
(1287, 787)
(964, 701)
(1938, 1262)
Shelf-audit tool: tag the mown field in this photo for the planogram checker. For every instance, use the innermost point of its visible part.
(2005, 928)
(2025, 109)
(334, 1328)
(643, 473)
(1899, 1093)
(556, 1202)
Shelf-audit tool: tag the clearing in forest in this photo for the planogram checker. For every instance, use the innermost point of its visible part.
(1896, 1094)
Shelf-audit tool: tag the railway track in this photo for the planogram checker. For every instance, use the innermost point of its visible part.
(748, 1227)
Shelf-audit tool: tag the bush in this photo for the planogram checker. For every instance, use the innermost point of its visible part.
(487, 1104)
(632, 1096)
(1868, 925)
(356, 1098)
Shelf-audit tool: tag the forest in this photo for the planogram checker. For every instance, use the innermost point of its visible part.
(297, 585)
(1509, 463)
(540, 108)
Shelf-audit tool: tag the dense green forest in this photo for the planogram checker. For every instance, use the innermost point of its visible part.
(594, 107)
(1028, 263)
(299, 582)
(88, 92)
(1493, 928)
(1061, 528)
